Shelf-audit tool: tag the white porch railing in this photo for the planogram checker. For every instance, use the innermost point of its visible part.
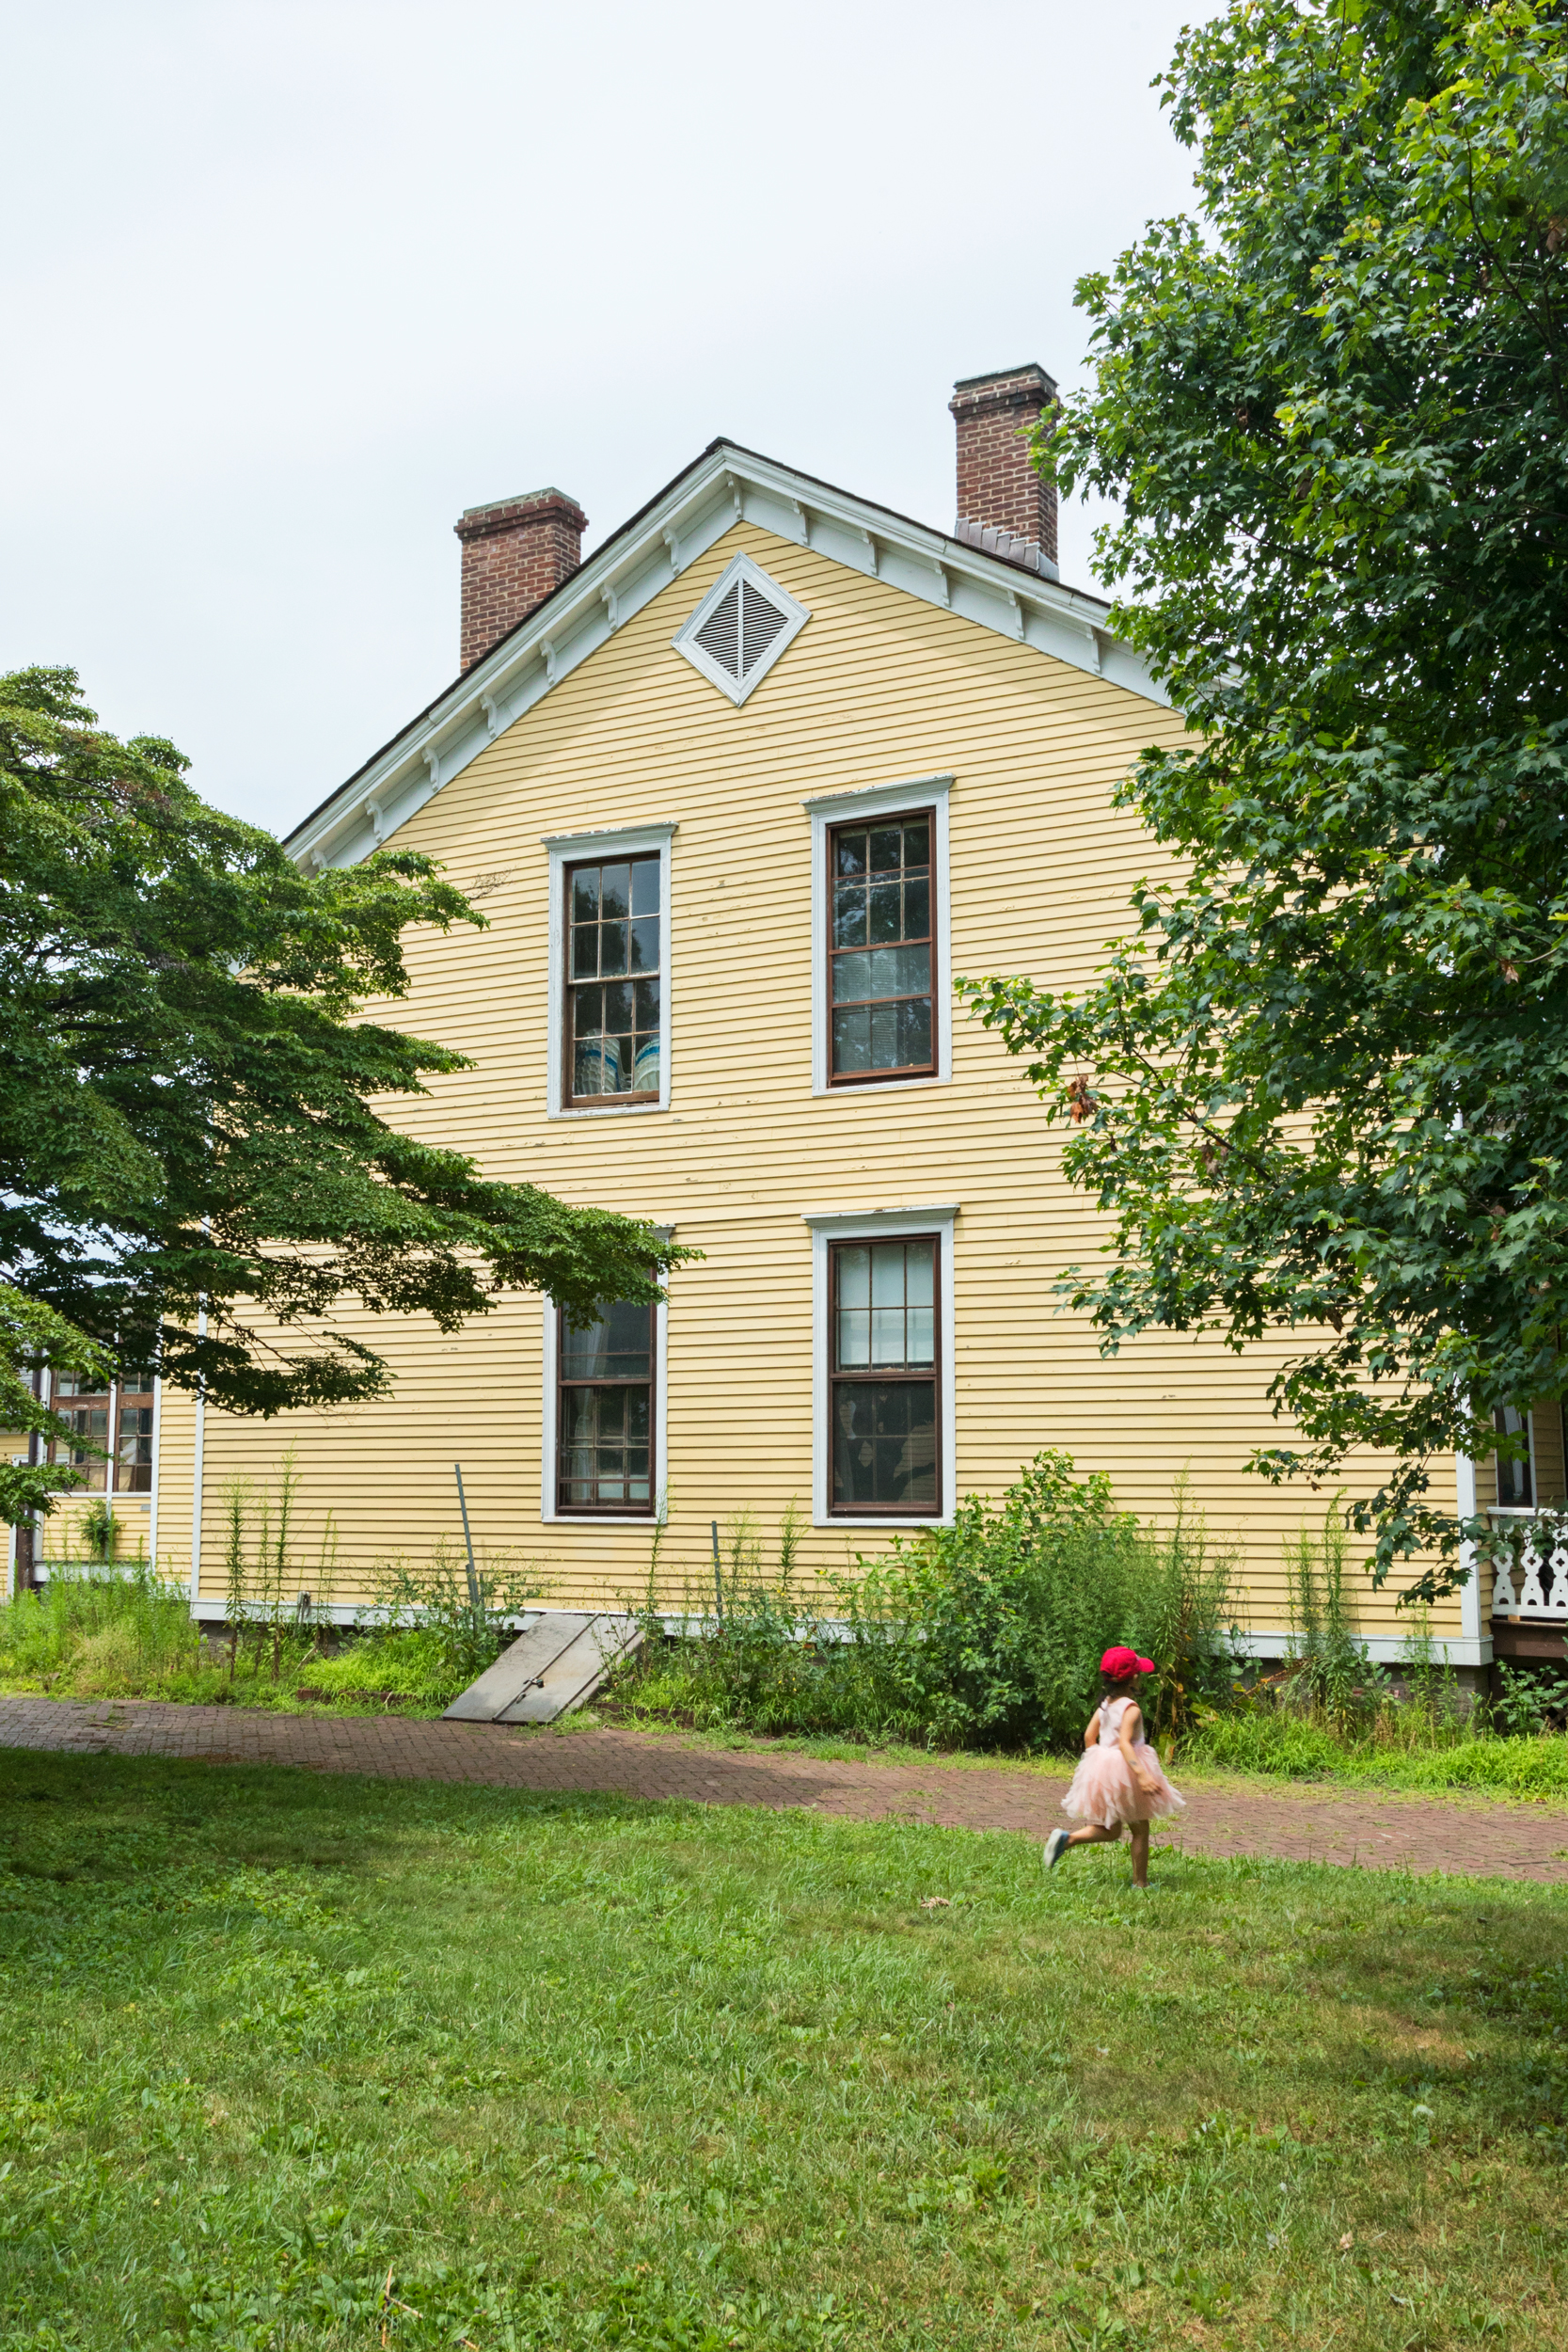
(1530, 1565)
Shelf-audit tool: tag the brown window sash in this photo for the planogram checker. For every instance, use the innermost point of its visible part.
(851, 1384)
(612, 1003)
(881, 1020)
(628, 1427)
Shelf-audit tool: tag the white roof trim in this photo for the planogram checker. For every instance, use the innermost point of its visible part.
(726, 486)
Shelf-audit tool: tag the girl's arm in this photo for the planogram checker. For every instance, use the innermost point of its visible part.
(1132, 1722)
(1091, 1736)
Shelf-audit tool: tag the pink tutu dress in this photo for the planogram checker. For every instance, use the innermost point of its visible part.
(1103, 1789)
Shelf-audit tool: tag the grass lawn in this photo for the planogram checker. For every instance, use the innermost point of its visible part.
(581, 2072)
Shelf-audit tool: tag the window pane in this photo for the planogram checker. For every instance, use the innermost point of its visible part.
(585, 952)
(644, 945)
(887, 1335)
(588, 1011)
(917, 908)
(645, 1004)
(848, 916)
(885, 1444)
(617, 1346)
(612, 946)
(920, 1336)
(614, 893)
(854, 1278)
(644, 886)
(919, 1271)
(881, 972)
(851, 1043)
(849, 853)
(887, 911)
(598, 1067)
(914, 1030)
(917, 850)
(585, 895)
(617, 1007)
(887, 848)
(887, 1274)
(886, 1053)
(644, 1068)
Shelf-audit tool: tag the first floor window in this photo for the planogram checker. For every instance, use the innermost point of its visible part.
(605, 1411)
(86, 1411)
(884, 1377)
(1515, 1480)
(134, 1461)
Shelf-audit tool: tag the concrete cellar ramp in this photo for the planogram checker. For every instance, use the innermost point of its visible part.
(558, 1660)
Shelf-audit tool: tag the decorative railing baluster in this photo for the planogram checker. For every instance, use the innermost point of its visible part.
(1528, 1559)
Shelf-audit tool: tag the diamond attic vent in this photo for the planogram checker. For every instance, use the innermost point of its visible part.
(740, 629)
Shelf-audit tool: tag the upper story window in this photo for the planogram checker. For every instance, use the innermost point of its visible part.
(879, 950)
(613, 964)
(882, 916)
(609, 971)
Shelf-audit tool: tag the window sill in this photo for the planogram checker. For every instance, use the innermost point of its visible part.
(890, 1524)
(597, 1519)
(607, 1110)
(857, 1090)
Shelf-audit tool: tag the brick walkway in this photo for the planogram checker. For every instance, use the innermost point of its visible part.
(1472, 1837)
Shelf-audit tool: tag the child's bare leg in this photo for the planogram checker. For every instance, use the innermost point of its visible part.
(1096, 1835)
(1140, 1853)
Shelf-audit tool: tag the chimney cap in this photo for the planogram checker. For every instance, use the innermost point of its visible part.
(1029, 373)
(523, 498)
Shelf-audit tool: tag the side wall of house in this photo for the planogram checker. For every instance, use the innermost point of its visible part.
(879, 689)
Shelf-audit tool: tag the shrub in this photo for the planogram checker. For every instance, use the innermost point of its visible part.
(989, 1632)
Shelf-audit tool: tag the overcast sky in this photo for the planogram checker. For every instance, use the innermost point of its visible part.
(291, 285)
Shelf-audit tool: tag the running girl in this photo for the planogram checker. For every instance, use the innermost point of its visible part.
(1120, 1779)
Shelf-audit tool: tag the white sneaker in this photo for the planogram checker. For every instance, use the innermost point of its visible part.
(1055, 1846)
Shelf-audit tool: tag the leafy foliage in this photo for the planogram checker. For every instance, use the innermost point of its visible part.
(987, 1634)
(1330, 1064)
(30, 1333)
(193, 1166)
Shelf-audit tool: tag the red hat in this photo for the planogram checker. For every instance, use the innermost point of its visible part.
(1122, 1664)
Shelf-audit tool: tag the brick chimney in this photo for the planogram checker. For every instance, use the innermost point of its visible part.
(1004, 507)
(516, 552)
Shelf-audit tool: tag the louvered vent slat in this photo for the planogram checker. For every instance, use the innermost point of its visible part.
(760, 624)
(719, 635)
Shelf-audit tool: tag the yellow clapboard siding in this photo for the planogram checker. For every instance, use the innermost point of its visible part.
(877, 689)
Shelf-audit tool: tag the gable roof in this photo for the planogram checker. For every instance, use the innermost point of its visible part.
(726, 484)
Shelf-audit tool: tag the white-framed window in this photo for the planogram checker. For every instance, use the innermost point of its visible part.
(610, 949)
(885, 1449)
(605, 1454)
(740, 629)
(881, 923)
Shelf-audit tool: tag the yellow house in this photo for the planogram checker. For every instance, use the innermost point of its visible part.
(739, 796)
